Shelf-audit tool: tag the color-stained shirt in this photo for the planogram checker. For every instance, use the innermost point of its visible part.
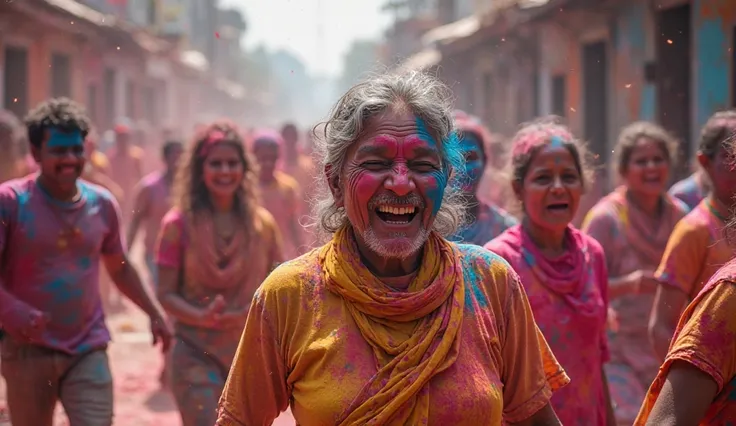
(577, 339)
(490, 223)
(689, 190)
(706, 338)
(281, 197)
(49, 267)
(154, 194)
(302, 348)
(697, 248)
(174, 250)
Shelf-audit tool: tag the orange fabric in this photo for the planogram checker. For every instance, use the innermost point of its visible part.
(303, 345)
(697, 248)
(706, 338)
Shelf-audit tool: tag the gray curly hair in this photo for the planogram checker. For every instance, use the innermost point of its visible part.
(429, 99)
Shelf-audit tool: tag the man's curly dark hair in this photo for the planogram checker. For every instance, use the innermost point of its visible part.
(61, 113)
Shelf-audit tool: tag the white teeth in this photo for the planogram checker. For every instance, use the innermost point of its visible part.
(397, 210)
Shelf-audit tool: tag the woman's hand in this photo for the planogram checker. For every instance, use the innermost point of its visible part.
(645, 282)
(212, 314)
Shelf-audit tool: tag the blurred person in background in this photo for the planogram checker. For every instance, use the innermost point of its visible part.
(697, 247)
(633, 223)
(486, 221)
(562, 269)
(215, 248)
(297, 163)
(279, 192)
(126, 165)
(55, 229)
(389, 323)
(12, 162)
(693, 189)
(696, 383)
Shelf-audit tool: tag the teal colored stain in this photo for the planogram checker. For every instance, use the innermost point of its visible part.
(84, 263)
(712, 68)
(60, 138)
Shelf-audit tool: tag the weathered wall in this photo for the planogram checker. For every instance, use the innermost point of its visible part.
(633, 43)
(713, 23)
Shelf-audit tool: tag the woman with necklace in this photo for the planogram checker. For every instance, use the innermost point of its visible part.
(633, 223)
(697, 247)
(215, 248)
(562, 270)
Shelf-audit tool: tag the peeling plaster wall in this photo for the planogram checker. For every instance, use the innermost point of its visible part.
(633, 44)
(713, 23)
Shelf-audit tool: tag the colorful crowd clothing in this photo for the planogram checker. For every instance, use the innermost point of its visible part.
(632, 242)
(203, 355)
(281, 197)
(696, 250)
(52, 254)
(491, 222)
(706, 338)
(327, 337)
(690, 190)
(568, 295)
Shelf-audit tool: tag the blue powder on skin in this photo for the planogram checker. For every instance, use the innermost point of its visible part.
(57, 138)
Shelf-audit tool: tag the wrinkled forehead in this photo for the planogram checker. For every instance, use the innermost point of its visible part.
(396, 127)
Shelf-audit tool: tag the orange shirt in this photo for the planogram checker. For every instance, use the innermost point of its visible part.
(706, 338)
(301, 347)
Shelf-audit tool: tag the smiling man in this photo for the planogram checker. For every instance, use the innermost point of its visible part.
(54, 231)
(387, 323)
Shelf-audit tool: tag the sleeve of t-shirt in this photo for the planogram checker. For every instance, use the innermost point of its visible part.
(683, 257)
(530, 371)
(12, 310)
(707, 339)
(170, 244)
(256, 391)
(114, 243)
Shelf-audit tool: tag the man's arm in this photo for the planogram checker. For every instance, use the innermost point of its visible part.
(128, 281)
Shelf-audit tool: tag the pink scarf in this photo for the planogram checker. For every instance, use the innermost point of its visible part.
(646, 237)
(570, 275)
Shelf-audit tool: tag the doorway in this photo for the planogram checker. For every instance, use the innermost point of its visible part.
(595, 98)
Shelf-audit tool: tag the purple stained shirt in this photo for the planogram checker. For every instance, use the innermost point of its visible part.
(39, 273)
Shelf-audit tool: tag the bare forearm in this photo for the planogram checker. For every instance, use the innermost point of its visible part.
(660, 335)
(622, 286)
(11, 308)
(544, 417)
(133, 230)
(129, 283)
(181, 310)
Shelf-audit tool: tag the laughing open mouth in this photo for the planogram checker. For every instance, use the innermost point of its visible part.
(396, 215)
(558, 207)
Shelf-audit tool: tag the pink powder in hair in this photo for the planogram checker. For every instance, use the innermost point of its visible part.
(529, 140)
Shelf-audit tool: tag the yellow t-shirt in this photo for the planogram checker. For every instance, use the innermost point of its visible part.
(301, 347)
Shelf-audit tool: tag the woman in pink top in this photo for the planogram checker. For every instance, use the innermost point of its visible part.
(633, 223)
(563, 270)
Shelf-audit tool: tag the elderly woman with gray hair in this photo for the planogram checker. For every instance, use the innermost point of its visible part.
(389, 323)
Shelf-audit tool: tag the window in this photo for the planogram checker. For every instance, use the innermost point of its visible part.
(92, 103)
(61, 79)
(15, 84)
(559, 89)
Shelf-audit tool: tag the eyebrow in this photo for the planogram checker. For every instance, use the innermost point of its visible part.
(371, 150)
(426, 152)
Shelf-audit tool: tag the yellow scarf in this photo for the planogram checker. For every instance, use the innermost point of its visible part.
(432, 307)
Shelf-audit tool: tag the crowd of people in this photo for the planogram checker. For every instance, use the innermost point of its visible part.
(401, 265)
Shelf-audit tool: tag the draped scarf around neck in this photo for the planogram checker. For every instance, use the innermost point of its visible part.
(399, 392)
(570, 275)
(219, 264)
(647, 237)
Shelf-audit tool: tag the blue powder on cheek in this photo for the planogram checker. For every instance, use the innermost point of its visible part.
(452, 159)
